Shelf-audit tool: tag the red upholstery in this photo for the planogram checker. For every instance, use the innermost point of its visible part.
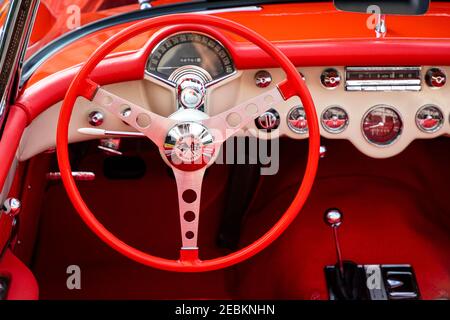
(23, 285)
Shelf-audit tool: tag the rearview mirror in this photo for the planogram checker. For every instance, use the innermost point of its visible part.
(401, 7)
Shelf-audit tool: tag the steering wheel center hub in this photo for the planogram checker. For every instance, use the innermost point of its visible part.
(189, 146)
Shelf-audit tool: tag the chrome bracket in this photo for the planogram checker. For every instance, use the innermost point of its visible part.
(380, 27)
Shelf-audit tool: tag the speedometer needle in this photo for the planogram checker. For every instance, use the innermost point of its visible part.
(379, 124)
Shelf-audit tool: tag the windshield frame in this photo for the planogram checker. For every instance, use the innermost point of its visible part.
(15, 35)
(34, 61)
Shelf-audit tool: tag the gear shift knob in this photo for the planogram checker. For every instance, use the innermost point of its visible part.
(333, 217)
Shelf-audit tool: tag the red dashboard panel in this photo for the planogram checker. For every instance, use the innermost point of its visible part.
(300, 30)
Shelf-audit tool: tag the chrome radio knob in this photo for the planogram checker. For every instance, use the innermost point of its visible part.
(435, 78)
(330, 78)
(296, 120)
(429, 118)
(269, 120)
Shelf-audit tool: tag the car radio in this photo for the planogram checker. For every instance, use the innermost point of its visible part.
(383, 78)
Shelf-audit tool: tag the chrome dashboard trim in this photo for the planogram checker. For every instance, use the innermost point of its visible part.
(383, 84)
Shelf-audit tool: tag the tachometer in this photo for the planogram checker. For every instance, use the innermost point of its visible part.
(190, 49)
(382, 125)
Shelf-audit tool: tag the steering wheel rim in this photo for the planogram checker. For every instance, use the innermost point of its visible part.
(189, 261)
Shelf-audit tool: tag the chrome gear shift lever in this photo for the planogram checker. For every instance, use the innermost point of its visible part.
(345, 279)
(333, 218)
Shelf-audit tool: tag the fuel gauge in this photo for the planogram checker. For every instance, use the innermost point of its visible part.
(429, 118)
(334, 119)
(296, 120)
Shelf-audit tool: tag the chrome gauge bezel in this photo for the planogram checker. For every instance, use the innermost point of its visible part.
(291, 127)
(441, 123)
(331, 130)
(172, 83)
(391, 142)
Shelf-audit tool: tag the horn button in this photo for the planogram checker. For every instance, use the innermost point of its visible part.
(189, 145)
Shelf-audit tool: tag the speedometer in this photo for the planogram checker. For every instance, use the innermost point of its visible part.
(190, 49)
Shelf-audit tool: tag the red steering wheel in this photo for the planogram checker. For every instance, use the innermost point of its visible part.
(188, 128)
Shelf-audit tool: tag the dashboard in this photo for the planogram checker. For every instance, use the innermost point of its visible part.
(380, 109)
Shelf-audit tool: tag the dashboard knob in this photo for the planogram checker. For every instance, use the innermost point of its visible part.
(330, 78)
(12, 206)
(263, 79)
(96, 118)
(435, 78)
(269, 120)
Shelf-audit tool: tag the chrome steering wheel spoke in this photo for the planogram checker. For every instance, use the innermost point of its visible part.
(150, 124)
(189, 186)
(229, 122)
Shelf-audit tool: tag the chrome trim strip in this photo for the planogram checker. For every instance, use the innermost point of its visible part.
(241, 9)
(13, 44)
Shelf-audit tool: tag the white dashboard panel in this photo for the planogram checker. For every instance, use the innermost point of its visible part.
(158, 97)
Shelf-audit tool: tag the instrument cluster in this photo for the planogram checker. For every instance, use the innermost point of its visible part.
(372, 96)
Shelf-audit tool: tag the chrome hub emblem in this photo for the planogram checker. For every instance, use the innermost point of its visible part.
(189, 146)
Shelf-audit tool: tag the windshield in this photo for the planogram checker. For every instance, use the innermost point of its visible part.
(57, 17)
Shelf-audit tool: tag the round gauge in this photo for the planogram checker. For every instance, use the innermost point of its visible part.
(296, 120)
(190, 49)
(334, 119)
(382, 125)
(429, 118)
